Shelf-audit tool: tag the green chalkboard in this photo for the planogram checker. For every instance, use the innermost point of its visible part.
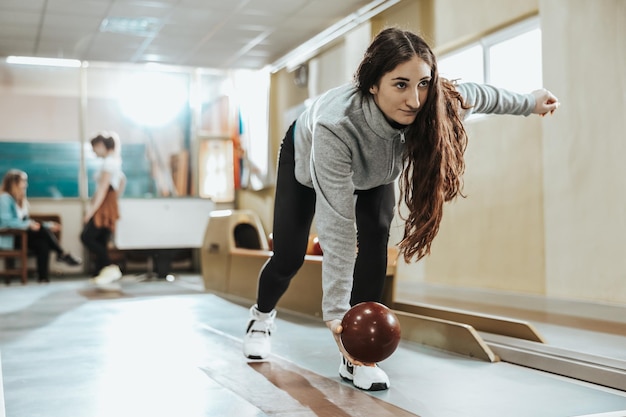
(54, 168)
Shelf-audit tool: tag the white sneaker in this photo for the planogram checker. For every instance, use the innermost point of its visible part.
(256, 342)
(108, 275)
(369, 378)
(112, 287)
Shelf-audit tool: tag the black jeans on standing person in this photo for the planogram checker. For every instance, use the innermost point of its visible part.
(294, 208)
(41, 242)
(96, 239)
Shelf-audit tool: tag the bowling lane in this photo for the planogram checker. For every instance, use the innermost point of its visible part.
(169, 349)
(591, 328)
(428, 382)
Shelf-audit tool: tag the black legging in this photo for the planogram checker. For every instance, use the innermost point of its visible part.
(96, 239)
(294, 208)
(41, 242)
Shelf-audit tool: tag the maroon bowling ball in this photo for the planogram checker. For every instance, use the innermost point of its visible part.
(371, 332)
(317, 248)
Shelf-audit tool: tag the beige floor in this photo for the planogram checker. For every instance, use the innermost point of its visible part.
(170, 349)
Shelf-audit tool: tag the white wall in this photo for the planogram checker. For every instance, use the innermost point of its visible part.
(494, 237)
(39, 104)
(584, 148)
(456, 20)
(545, 212)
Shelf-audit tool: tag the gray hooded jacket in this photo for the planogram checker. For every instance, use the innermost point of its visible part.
(343, 143)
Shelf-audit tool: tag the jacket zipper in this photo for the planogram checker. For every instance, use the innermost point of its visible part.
(393, 153)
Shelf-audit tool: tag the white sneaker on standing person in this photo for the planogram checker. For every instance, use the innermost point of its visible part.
(108, 274)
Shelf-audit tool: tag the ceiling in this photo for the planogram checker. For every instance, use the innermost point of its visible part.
(199, 33)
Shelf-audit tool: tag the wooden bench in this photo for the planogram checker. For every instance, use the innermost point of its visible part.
(21, 252)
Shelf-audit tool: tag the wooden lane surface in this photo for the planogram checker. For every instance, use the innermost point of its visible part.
(280, 388)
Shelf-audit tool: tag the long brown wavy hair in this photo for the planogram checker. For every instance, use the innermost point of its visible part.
(435, 141)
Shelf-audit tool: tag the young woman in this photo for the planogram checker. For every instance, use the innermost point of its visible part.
(339, 161)
(14, 214)
(102, 212)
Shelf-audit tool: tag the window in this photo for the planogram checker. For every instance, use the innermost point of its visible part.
(465, 65)
(216, 170)
(515, 63)
(233, 133)
(509, 58)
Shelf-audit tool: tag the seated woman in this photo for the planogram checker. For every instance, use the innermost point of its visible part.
(41, 238)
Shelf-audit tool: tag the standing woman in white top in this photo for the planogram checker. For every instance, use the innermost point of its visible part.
(102, 213)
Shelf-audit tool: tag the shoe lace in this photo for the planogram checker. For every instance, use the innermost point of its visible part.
(262, 327)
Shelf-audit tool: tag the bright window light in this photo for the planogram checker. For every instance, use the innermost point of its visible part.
(465, 65)
(509, 58)
(251, 95)
(153, 99)
(50, 62)
(216, 170)
(515, 63)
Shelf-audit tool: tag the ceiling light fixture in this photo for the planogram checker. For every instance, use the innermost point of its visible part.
(130, 26)
(50, 62)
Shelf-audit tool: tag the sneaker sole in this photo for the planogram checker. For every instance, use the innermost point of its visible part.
(377, 386)
(113, 280)
(348, 377)
(110, 287)
(256, 357)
